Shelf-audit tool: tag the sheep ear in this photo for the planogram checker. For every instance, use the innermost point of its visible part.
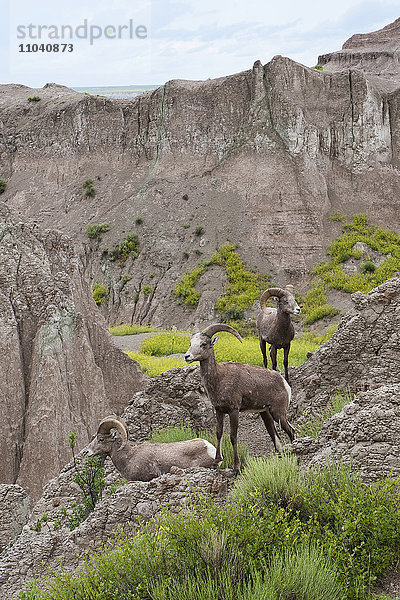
(215, 339)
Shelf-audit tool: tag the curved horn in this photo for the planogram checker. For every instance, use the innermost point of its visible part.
(212, 329)
(277, 292)
(114, 422)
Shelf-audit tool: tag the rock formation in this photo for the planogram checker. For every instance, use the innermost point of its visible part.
(365, 434)
(14, 510)
(376, 54)
(363, 359)
(363, 354)
(60, 371)
(262, 158)
(34, 553)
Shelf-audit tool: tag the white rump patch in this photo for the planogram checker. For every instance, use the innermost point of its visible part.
(211, 450)
(288, 389)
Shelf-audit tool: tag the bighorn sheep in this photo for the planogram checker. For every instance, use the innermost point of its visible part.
(147, 460)
(235, 387)
(275, 326)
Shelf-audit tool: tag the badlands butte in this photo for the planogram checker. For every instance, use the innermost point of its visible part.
(262, 159)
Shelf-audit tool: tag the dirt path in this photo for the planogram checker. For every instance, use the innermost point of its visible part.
(131, 342)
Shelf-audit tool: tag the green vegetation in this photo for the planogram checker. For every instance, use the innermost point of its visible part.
(139, 221)
(315, 304)
(94, 230)
(155, 349)
(128, 247)
(34, 99)
(164, 344)
(90, 479)
(126, 277)
(244, 286)
(377, 239)
(179, 434)
(319, 68)
(153, 366)
(199, 230)
(330, 274)
(100, 292)
(368, 267)
(311, 424)
(147, 290)
(3, 186)
(89, 188)
(315, 535)
(131, 329)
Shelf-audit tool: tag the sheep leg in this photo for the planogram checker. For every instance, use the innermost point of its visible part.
(272, 353)
(286, 426)
(263, 347)
(234, 423)
(219, 431)
(286, 361)
(270, 425)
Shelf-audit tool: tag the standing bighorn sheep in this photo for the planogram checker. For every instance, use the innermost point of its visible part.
(147, 460)
(275, 326)
(235, 387)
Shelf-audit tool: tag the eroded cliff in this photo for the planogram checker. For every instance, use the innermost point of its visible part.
(262, 158)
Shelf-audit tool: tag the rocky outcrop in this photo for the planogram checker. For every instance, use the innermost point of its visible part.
(14, 510)
(262, 158)
(365, 433)
(60, 371)
(362, 359)
(363, 354)
(375, 53)
(35, 552)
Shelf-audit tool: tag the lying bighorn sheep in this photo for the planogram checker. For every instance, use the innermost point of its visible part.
(146, 461)
(235, 387)
(275, 326)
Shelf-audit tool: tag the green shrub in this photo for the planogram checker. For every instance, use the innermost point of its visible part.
(277, 479)
(126, 277)
(199, 230)
(94, 230)
(139, 220)
(147, 290)
(368, 267)
(128, 247)
(34, 99)
(89, 188)
(3, 186)
(100, 292)
(319, 68)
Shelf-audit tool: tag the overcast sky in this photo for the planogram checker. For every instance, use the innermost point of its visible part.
(175, 39)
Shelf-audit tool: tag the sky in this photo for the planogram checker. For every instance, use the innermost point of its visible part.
(128, 42)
